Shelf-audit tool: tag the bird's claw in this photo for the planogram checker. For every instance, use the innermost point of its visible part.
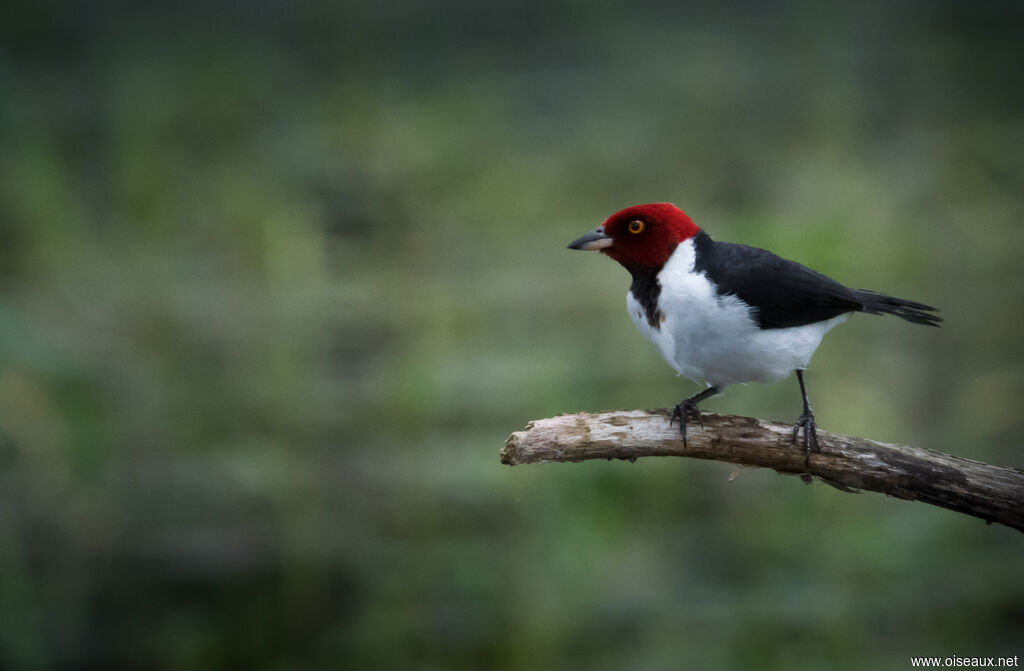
(686, 410)
(810, 442)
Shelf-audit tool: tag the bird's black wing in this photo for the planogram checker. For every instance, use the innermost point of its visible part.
(782, 293)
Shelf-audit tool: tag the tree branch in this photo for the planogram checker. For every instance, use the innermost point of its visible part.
(993, 493)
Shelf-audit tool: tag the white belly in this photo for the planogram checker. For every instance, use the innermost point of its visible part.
(712, 338)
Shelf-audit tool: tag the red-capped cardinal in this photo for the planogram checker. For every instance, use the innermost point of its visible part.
(722, 313)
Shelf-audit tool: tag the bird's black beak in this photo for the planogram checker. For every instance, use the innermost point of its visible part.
(591, 241)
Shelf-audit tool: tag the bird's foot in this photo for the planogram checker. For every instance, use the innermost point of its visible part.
(810, 442)
(686, 410)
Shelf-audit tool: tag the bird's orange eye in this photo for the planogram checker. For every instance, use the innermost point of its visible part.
(636, 226)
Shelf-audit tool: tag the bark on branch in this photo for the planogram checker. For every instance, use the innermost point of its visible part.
(993, 493)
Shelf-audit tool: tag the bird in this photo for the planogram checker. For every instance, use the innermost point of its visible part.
(722, 313)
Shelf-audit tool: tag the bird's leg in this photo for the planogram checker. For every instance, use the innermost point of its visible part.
(806, 421)
(688, 409)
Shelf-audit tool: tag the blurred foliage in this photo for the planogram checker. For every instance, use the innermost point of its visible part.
(276, 281)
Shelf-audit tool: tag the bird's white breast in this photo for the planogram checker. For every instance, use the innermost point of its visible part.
(712, 338)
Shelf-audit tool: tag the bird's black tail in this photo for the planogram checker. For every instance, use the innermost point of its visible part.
(875, 303)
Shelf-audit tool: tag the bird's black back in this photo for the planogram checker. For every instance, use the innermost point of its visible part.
(782, 293)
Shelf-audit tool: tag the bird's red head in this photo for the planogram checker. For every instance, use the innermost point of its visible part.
(642, 235)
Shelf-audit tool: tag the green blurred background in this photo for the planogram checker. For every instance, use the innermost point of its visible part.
(276, 281)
